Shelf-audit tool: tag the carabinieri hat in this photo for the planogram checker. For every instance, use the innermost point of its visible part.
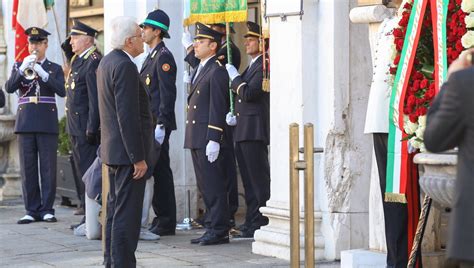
(79, 28)
(158, 19)
(223, 25)
(203, 31)
(36, 34)
(253, 30)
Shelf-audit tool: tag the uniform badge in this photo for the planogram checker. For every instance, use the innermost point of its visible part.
(165, 67)
(221, 57)
(73, 85)
(147, 81)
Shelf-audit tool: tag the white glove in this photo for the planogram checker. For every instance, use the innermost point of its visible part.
(186, 77)
(186, 39)
(41, 72)
(233, 73)
(26, 62)
(160, 134)
(231, 119)
(212, 151)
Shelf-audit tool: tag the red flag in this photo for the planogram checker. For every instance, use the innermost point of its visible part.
(26, 14)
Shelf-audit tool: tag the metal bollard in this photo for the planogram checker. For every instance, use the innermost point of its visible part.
(308, 166)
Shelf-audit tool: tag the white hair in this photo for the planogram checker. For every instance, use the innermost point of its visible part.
(122, 28)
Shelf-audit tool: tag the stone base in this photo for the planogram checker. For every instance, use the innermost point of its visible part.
(12, 187)
(274, 239)
(363, 258)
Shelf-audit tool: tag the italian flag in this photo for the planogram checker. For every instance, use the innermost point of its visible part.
(26, 14)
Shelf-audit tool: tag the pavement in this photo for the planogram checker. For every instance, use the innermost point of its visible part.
(42, 244)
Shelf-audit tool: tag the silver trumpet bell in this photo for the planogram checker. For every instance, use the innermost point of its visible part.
(30, 73)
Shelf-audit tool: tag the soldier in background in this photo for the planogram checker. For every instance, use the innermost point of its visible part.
(252, 131)
(37, 81)
(158, 73)
(82, 110)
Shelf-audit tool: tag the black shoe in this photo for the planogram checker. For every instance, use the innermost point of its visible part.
(213, 239)
(162, 231)
(26, 220)
(197, 240)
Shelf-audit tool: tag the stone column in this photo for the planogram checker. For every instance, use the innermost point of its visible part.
(181, 162)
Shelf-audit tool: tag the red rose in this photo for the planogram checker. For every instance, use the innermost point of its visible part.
(397, 32)
(416, 85)
(397, 59)
(421, 111)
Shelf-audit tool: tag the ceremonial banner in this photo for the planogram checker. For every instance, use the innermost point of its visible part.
(398, 162)
(216, 11)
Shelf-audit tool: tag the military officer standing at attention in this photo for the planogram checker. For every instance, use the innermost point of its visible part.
(208, 103)
(252, 131)
(158, 73)
(230, 169)
(37, 80)
(82, 109)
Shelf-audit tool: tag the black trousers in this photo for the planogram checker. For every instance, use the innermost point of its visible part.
(124, 212)
(395, 214)
(164, 201)
(38, 195)
(252, 157)
(84, 155)
(232, 187)
(212, 182)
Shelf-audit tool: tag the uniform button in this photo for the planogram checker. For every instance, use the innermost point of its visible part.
(240, 100)
(187, 121)
(194, 122)
(195, 106)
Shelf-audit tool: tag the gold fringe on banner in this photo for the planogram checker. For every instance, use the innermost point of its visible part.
(395, 198)
(218, 17)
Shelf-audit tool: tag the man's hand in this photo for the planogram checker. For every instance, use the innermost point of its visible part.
(463, 61)
(140, 169)
(231, 119)
(41, 72)
(186, 39)
(212, 151)
(27, 61)
(233, 73)
(160, 134)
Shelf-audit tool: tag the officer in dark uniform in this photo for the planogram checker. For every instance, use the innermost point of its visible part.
(208, 103)
(158, 73)
(37, 80)
(231, 169)
(252, 131)
(82, 110)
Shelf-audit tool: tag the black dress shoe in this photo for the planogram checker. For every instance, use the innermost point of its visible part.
(26, 220)
(198, 240)
(162, 231)
(213, 239)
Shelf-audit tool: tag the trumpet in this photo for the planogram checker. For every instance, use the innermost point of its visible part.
(30, 73)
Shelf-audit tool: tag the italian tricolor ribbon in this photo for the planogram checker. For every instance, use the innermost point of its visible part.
(398, 162)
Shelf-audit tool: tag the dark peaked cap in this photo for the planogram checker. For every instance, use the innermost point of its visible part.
(253, 30)
(79, 28)
(203, 31)
(158, 19)
(36, 34)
